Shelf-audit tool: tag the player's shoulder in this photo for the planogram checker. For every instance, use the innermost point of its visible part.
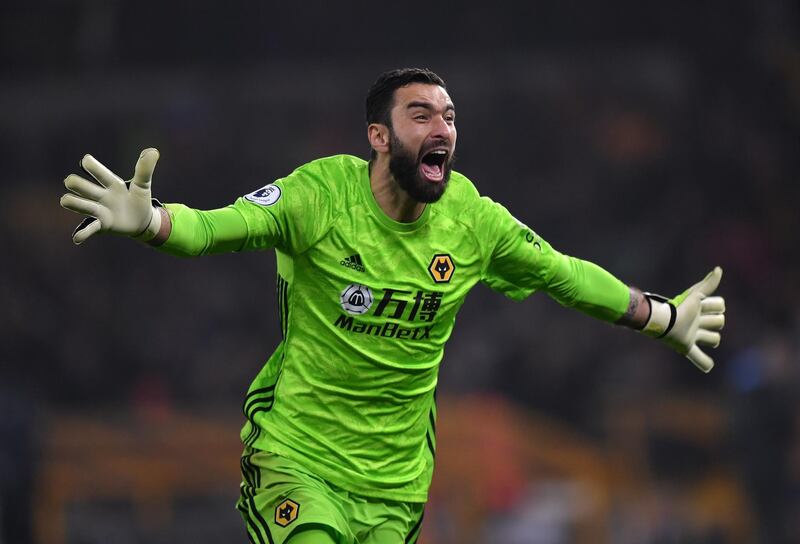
(331, 179)
(467, 210)
(333, 169)
(462, 199)
(461, 186)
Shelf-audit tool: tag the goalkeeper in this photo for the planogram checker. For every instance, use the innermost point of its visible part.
(374, 260)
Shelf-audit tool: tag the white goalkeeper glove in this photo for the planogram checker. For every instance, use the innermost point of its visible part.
(690, 320)
(114, 206)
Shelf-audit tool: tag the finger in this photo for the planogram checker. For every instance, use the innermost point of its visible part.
(88, 227)
(98, 171)
(711, 281)
(706, 338)
(84, 187)
(80, 205)
(711, 322)
(143, 173)
(712, 305)
(700, 359)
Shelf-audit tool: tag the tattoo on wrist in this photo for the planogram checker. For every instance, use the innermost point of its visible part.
(632, 306)
(634, 316)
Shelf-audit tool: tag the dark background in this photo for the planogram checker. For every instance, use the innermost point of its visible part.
(655, 139)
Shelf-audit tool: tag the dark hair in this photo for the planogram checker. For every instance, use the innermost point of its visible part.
(380, 97)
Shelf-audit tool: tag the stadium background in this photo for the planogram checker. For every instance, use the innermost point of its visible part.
(656, 139)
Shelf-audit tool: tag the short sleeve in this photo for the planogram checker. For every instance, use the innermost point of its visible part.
(290, 214)
(519, 261)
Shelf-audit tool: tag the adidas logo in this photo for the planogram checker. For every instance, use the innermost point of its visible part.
(354, 262)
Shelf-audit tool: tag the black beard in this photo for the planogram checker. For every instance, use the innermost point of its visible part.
(404, 167)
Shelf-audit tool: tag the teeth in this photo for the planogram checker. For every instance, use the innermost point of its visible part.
(439, 152)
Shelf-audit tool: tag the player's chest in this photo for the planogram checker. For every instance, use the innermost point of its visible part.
(402, 276)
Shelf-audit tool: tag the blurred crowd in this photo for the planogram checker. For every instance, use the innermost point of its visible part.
(655, 140)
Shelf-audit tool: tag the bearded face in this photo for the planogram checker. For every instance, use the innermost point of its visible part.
(424, 174)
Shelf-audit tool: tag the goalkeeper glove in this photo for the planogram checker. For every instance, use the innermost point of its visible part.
(690, 320)
(114, 206)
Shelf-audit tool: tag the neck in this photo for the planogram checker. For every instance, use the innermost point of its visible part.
(393, 200)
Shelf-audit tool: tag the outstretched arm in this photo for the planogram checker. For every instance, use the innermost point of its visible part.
(686, 323)
(114, 206)
(521, 262)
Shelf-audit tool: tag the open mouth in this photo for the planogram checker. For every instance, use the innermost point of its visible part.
(432, 165)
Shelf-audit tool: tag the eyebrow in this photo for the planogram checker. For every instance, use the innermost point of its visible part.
(429, 106)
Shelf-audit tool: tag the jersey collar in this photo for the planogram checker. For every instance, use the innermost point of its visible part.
(380, 215)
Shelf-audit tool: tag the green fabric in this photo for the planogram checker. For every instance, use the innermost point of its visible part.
(587, 287)
(312, 536)
(350, 390)
(197, 232)
(281, 501)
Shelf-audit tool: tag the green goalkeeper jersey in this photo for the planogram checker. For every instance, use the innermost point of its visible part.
(366, 306)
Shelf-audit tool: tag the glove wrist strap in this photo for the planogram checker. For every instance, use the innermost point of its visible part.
(154, 226)
(662, 316)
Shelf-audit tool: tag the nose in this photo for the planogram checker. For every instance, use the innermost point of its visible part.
(440, 129)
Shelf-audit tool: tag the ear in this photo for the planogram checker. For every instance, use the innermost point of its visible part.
(378, 136)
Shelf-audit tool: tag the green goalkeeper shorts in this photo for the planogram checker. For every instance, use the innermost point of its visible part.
(279, 497)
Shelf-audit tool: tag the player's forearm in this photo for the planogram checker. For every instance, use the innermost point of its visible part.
(590, 289)
(187, 232)
(594, 291)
